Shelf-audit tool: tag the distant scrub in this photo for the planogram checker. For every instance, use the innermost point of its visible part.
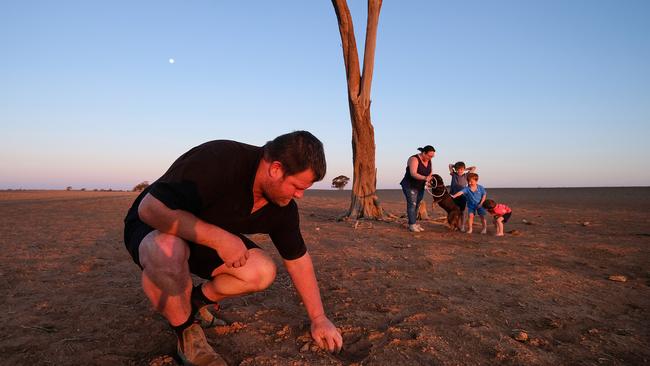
(340, 181)
(141, 186)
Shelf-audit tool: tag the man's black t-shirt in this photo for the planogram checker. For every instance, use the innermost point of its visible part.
(214, 181)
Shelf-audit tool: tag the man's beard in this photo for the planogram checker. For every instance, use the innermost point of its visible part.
(276, 202)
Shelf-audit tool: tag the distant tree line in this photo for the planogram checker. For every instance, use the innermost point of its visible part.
(138, 188)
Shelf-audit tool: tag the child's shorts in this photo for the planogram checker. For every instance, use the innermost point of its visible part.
(474, 210)
(506, 217)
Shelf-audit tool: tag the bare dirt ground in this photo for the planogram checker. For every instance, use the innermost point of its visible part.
(70, 293)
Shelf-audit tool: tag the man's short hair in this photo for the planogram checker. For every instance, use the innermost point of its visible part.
(472, 176)
(297, 151)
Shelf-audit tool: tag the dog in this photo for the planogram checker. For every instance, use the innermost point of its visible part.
(442, 197)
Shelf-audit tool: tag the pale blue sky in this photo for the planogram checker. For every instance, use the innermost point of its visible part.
(535, 93)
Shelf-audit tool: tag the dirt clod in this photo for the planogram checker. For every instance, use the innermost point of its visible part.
(520, 335)
(617, 278)
(305, 347)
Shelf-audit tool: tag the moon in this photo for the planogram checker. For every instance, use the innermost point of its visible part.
(171, 60)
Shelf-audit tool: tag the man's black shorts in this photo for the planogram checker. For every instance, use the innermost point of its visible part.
(203, 260)
(461, 202)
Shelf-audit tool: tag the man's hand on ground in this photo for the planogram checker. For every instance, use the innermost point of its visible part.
(326, 335)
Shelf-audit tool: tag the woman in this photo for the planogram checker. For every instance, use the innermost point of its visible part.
(418, 173)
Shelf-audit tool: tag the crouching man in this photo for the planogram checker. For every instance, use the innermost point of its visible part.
(192, 220)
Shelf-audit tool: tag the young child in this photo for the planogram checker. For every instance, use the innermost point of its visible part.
(475, 195)
(501, 214)
(458, 174)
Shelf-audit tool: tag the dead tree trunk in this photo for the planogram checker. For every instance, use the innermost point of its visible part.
(364, 202)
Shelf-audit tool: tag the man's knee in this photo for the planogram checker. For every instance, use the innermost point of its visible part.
(257, 274)
(164, 252)
(262, 272)
(266, 271)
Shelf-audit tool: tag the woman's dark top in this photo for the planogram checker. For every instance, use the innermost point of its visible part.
(409, 182)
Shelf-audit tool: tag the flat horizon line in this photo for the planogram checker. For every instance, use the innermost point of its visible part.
(311, 189)
(541, 187)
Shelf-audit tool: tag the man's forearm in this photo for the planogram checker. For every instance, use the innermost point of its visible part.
(180, 223)
(302, 274)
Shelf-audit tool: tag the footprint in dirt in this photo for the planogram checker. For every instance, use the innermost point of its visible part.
(165, 360)
(355, 350)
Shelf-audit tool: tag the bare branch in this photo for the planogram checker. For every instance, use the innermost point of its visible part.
(374, 7)
(349, 45)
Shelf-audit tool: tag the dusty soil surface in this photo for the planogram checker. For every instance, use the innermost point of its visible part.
(70, 294)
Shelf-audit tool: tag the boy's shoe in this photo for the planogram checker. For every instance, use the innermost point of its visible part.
(194, 349)
(207, 316)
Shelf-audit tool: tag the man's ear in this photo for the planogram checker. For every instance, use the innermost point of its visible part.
(276, 170)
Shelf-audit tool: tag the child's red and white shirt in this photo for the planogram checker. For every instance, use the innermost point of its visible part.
(501, 209)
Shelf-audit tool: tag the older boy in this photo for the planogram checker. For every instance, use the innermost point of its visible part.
(458, 173)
